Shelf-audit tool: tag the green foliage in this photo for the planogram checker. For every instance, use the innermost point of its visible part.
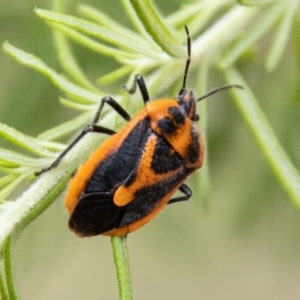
(155, 48)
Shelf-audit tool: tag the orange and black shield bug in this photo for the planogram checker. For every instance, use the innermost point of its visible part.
(133, 175)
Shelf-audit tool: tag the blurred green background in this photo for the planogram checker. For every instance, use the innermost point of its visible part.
(247, 246)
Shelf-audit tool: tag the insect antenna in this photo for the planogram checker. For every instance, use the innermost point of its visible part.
(187, 65)
(221, 88)
(188, 60)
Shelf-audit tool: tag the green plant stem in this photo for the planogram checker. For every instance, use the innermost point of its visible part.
(8, 269)
(287, 174)
(3, 294)
(31, 203)
(120, 253)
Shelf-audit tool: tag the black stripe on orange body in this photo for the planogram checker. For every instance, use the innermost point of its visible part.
(129, 179)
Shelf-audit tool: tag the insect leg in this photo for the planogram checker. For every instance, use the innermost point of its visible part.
(138, 79)
(90, 128)
(115, 105)
(187, 194)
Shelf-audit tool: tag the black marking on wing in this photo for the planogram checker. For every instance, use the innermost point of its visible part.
(115, 169)
(193, 149)
(147, 198)
(95, 214)
(165, 159)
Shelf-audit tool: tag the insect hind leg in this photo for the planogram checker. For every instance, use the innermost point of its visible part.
(187, 194)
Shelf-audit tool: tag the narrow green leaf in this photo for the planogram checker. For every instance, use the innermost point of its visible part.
(67, 127)
(296, 35)
(15, 171)
(202, 19)
(69, 63)
(282, 36)
(52, 146)
(8, 164)
(19, 139)
(286, 173)
(221, 33)
(121, 258)
(103, 19)
(296, 42)
(183, 15)
(115, 75)
(195, 15)
(256, 2)
(10, 158)
(75, 92)
(143, 63)
(256, 31)
(89, 42)
(97, 31)
(75, 105)
(65, 54)
(156, 28)
(130, 11)
(165, 77)
(8, 189)
(7, 179)
(100, 17)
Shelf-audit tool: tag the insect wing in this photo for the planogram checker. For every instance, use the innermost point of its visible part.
(95, 212)
(116, 167)
(156, 178)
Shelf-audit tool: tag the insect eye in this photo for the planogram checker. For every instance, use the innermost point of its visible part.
(195, 118)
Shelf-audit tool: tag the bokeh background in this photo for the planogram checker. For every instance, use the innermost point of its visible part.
(245, 246)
